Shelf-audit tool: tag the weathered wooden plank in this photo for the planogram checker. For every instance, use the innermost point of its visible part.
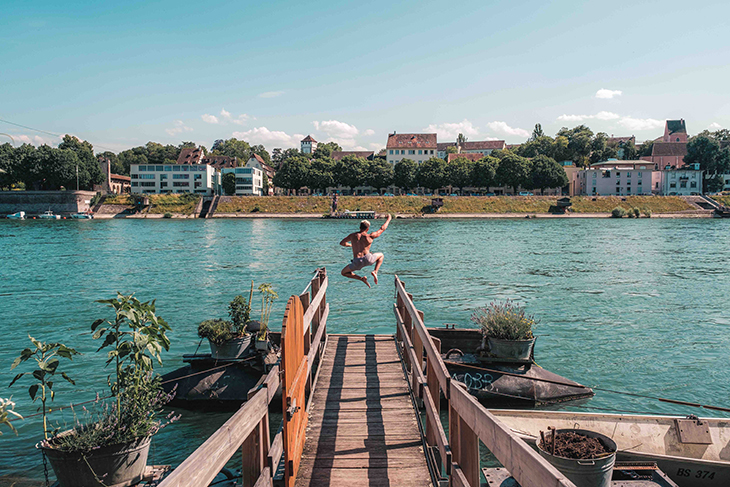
(402, 477)
(311, 463)
(366, 447)
(458, 479)
(276, 451)
(264, 479)
(322, 416)
(315, 303)
(254, 453)
(394, 428)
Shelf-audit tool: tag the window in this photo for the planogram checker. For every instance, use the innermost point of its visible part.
(628, 174)
(639, 174)
(677, 139)
(146, 176)
(179, 184)
(411, 152)
(158, 168)
(391, 152)
(618, 190)
(594, 176)
(639, 183)
(133, 176)
(672, 185)
(420, 152)
(163, 176)
(163, 185)
(147, 184)
(168, 168)
(693, 184)
(683, 184)
(198, 176)
(176, 168)
(198, 184)
(135, 184)
(142, 168)
(181, 176)
(185, 168)
(594, 183)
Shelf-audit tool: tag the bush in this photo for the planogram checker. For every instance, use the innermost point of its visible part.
(618, 212)
(647, 212)
(167, 215)
(506, 321)
(637, 213)
(217, 331)
(255, 209)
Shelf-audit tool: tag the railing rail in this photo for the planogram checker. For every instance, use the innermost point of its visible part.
(248, 428)
(469, 421)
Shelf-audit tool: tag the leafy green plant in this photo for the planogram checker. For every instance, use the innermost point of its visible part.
(268, 296)
(240, 313)
(647, 212)
(618, 212)
(506, 321)
(637, 212)
(217, 331)
(6, 410)
(167, 215)
(46, 356)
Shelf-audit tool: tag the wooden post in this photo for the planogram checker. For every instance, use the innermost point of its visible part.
(315, 318)
(469, 453)
(254, 452)
(433, 387)
(305, 299)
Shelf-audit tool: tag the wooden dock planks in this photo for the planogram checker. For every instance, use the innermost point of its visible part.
(362, 430)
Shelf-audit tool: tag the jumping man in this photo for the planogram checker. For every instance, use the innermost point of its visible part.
(360, 243)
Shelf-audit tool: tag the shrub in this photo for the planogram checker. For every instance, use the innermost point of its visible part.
(255, 209)
(647, 212)
(618, 212)
(630, 214)
(217, 331)
(506, 321)
(636, 212)
(167, 215)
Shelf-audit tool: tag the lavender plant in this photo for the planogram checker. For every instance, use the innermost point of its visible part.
(505, 320)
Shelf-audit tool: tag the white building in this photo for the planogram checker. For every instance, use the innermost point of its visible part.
(681, 182)
(483, 147)
(309, 145)
(624, 180)
(249, 180)
(416, 147)
(174, 178)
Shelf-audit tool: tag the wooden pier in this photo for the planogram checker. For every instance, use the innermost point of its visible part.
(352, 408)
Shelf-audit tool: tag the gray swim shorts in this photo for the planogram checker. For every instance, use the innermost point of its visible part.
(360, 262)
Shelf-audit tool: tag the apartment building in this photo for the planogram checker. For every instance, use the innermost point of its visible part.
(416, 147)
(482, 147)
(617, 180)
(174, 178)
(681, 182)
(249, 180)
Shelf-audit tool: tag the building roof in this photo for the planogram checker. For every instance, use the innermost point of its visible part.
(620, 140)
(464, 155)
(340, 154)
(441, 146)
(262, 163)
(190, 155)
(664, 149)
(615, 163)
(484, 145)
(411, 141)
(219, 162)
(676, 127)
(120, 177)
(308, 138)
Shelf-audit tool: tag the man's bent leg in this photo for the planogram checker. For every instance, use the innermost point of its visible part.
(378, 262)
(347, 272)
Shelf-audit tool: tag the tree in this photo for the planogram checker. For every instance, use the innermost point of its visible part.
(228, 181)
(292, 174)
(232, 148)
(432, 173)
(380, 173)
(460, 139)
(451, 149)
(116, 166)
(484, 172)
(162, 154)
(542, 145)
(326, 149)
(7, 156)
(600, 150)
(579, 143)
(546, 173)
(261, 151)
(646, 148)
(513, 170)
(706, 151)
(351, 171)
(714, 183)
(281, 156)
(89, 171)
(459, 172)
(537, 132)
(630, 152)
(321, 174)
(264, 184)
(405, 172)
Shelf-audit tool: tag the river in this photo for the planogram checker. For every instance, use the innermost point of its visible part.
(630, 305)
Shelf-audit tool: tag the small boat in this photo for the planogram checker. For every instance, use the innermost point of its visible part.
(693, 452)
(82, 216)
(49, 215)
(17, 216)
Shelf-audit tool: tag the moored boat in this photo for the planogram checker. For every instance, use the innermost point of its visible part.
(17, 216)
(693, 452)
(49, 215)
(82, 216)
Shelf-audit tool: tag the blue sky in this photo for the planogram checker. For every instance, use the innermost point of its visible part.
(122, 73)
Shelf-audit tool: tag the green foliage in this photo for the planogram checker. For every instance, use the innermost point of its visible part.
(228, 181)
(167, 215)
(432, 173)
(232, 148)
(320, 174)
(637, 212)
(514, 171)
(460, 139)
(351, 171)
(46, 357)
(240, 313)
(505, 320)
(600, 150)
(537, 132)
(580, 140)
(293, 173)
(405, 172)
(217, 331)
(7, 407)
(326, 149)
(645, 149)
(458, 172)
(706, 151)
(647, 212)
(380, 173)
(268, 296)
(618, 212)
(546, 173)
(714, 183)
(484, 172)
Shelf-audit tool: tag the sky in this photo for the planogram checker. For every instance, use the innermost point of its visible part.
(119, 74)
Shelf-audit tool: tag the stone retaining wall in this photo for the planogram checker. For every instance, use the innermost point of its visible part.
(37, 202)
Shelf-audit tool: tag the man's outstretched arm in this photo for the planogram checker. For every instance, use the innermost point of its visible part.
(347, 241)
(382, 229)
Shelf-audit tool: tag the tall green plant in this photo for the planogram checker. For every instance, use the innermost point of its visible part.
(268, 296)
(135, 340)
(240, 312)
(506, 321)
(46, 356)
(6, 410)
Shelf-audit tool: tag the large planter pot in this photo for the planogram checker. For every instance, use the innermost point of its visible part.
(585, 473)
(232, 349)
(512, 349)
(115, 466)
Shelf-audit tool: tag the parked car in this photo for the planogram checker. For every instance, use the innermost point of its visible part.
(526, 193)
(388, 194)
(489, 194)
(453, 194)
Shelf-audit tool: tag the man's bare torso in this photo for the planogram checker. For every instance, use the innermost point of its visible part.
(361, 243)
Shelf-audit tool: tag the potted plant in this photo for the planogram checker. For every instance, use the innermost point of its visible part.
(507, 329)
(585, 457)
(112, 446)
(268, 296)
(230, 339)
(7, 407)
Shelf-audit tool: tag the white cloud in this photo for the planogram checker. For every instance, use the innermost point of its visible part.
(335, 128)
(376, 146)
(580, 118)
(607, 116)
(637, 124)
(714, 126)
(503, 128)
(178, 128)
(604, 93)
(369, 132)
(270, 94)
(209, 118)
(24, 139)
(274, 138)
(240, 120)
(452, 130)
(39, 140)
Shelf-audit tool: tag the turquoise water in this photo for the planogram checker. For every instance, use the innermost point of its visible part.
(631, 305)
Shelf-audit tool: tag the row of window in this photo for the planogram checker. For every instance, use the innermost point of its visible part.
(173, 168)
(683, 184)
(411, 152)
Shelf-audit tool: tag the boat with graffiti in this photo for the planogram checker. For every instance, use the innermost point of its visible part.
(500, 382)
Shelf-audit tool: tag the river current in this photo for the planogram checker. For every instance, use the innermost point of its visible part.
(629, 305)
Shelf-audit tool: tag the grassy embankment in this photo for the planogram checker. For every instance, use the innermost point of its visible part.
(182, 204)
(465, 204)
(722, 199)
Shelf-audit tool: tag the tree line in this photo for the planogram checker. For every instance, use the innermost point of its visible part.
(711, 150)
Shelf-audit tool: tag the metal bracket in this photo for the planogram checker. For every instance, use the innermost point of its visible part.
(292, 409)
(693, 431)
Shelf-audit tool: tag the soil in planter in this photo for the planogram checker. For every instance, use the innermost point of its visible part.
(574, 445)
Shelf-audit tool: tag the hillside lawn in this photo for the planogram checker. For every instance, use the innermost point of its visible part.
(452, 204)
(182, 204)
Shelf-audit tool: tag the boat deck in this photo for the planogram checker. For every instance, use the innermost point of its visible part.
(363, 429)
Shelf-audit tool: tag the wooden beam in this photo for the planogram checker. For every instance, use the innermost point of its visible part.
(254, 453)
(264, 479)
(458, 479)
(276, 451)
(315, 303)
(433, 421)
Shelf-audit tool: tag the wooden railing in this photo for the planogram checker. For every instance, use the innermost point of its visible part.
(469, 421)
(248, 428)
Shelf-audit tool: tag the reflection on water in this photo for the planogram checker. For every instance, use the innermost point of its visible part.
(637, 305)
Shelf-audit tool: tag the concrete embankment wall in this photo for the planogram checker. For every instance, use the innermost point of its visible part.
(37, 202)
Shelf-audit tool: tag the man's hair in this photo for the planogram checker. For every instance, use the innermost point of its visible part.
(364, 225)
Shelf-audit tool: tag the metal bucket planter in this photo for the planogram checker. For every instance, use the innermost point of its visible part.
(263, 344)
(232, 349)
(111, 466)
(513, 349)
(585, 473)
